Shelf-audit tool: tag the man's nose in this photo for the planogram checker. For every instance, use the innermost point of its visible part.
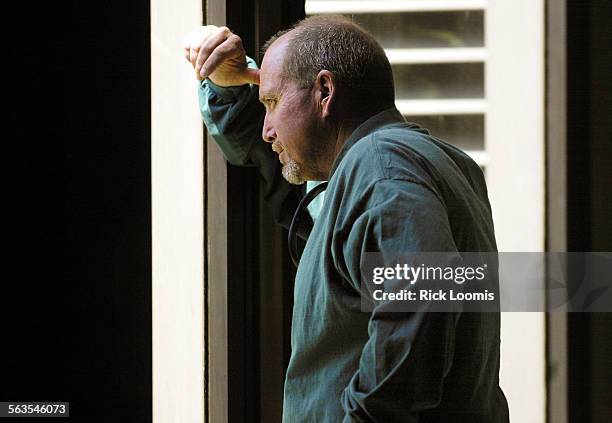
(268, 133)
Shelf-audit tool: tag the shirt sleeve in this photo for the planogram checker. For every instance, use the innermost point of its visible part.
(407, 356)
(234, 118)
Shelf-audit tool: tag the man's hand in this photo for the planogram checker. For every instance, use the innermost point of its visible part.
(218, 54)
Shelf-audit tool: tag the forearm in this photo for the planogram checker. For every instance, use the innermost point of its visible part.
(233, 117)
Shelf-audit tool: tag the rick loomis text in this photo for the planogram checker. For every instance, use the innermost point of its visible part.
(407, 276)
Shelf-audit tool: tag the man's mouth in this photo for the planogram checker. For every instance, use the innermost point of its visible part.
(276, 147)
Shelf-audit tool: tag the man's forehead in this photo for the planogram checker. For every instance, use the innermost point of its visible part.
(271, 66)
(275, 55)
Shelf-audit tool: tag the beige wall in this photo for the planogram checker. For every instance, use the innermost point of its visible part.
(515, 177)
(177, 218)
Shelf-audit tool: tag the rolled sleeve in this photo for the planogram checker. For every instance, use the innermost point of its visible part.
(233, 117)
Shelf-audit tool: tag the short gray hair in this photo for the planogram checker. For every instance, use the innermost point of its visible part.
(337, 44)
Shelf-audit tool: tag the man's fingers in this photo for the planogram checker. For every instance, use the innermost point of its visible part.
(187, 45)
(193, 54)
(194, 40)
(203, 34)
(186, 50)
(209, 45)
(230, 49)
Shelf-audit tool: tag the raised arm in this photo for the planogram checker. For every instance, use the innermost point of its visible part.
(228, 96)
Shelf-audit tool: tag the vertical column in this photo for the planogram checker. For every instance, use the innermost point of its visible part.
(177, 219)
(514, 136)
(217, 259)
(556, 199)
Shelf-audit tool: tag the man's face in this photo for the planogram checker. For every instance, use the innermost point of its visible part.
(292, 123)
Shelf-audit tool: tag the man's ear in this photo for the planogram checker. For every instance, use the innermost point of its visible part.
(326, 90)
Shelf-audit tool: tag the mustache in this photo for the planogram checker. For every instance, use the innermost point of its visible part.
(276, 147)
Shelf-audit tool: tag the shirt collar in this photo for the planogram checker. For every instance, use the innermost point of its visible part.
(386, 117)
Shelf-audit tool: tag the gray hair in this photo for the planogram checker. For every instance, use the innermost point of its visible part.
(337, 44)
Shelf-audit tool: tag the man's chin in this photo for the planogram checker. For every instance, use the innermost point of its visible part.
(292, 173)
(293, 180)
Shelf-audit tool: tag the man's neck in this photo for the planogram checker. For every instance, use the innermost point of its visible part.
(346, 128)
(343, 133)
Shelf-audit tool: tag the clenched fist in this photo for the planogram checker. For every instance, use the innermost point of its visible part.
(217, 53)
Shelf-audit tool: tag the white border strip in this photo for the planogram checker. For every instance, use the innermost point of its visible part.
(436, 55)
(385, 6)
(467, 106)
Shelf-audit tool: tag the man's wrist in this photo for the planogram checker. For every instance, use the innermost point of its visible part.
(224, 92)
(232, 91)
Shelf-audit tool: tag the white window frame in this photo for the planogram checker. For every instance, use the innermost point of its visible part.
(177, 167)
(514, 141)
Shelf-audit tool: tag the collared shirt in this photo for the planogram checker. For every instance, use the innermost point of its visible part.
(393, 188)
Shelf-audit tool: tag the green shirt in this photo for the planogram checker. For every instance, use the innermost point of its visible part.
(393, 188)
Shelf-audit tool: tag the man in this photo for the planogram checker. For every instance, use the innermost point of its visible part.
(328, 93)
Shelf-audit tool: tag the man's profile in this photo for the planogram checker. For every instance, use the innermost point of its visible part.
(329, 114)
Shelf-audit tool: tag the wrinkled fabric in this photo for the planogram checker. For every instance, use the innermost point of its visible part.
(393, 188)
